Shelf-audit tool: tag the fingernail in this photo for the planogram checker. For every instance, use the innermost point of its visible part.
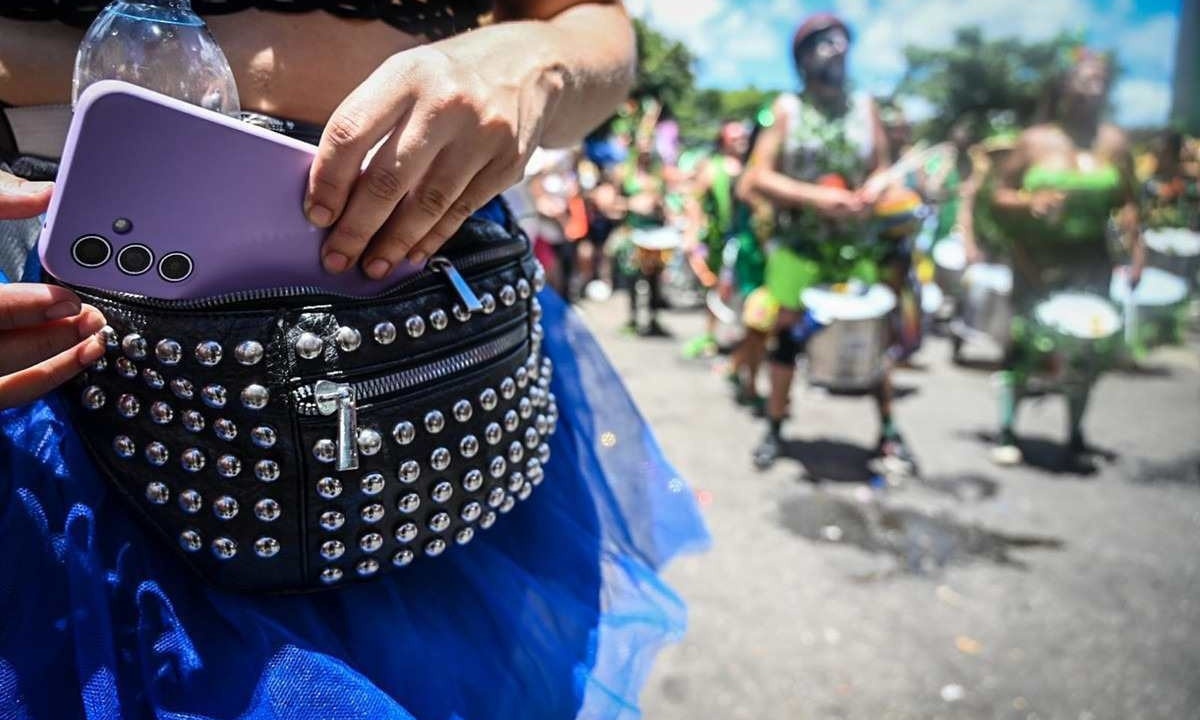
(377, 268)
(320, 216)
(335, 262)
(32, 188)
(417, 257)
(89, 325)
(64, 309)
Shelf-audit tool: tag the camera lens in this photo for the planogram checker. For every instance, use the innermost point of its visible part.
(135, 259)
(91, 251)
(175, 267)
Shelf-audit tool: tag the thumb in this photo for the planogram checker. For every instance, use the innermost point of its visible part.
(21, 198)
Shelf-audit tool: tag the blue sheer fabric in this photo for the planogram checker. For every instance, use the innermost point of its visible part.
(556, 612)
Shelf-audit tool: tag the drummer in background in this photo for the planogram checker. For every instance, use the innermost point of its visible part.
(644, 193)
(823, 144)
(1172, 199)
(1053, 197)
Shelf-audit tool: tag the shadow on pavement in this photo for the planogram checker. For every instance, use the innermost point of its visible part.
(1183, 470)
(1049, 455)
(827, 460)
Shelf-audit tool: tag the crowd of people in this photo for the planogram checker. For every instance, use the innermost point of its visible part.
(822, 210)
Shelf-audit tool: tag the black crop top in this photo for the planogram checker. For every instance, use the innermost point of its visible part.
(432, 18)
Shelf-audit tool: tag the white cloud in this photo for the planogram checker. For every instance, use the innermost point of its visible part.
(1140, 102)
(1148, 47)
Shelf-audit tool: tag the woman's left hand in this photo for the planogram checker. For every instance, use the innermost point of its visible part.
(445, 141)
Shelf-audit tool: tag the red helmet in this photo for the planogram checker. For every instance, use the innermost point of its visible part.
(814, 24)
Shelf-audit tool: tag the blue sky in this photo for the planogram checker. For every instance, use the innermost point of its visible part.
(742, 42)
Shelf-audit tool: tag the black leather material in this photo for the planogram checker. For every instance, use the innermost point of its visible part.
(281, 511)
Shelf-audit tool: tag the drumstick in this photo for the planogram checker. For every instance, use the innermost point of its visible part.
(1131, 318)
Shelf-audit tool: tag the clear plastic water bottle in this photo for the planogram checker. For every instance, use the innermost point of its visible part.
(160, 45)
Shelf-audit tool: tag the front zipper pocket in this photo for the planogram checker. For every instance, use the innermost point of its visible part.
(343, 398)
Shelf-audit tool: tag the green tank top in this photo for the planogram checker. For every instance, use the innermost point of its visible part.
(1091, 196)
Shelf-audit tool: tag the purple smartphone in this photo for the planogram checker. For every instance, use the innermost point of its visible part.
(165, 199)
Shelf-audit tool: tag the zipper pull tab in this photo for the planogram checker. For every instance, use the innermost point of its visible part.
(465, 293)
(338, 398)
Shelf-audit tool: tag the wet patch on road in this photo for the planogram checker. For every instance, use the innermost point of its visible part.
(965, 487)
(921, 543)
(1183, 470)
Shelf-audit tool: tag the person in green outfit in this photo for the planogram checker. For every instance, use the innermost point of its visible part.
(1053, 198)
(809, 164)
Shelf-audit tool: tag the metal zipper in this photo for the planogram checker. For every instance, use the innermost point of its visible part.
(328, 397)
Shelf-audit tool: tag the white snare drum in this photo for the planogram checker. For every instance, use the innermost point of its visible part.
(987, 300)
(658, 239)
(849, 354)
(1176, 250)
(1158, 293)
(949, 264)
(1079, 324)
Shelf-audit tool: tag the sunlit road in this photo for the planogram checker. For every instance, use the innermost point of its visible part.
(977, 592)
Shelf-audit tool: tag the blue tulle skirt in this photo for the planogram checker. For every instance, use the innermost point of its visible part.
(556, 612)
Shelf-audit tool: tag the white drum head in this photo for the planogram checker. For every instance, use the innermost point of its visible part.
(993, 277)
(950, 254)
(1180, 242)
(1080, 315)
(932, 298)
(827, 304)
(1158, 288)
(660, 238)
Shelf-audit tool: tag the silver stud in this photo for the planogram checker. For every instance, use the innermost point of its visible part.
(541, 424)
(263, 436)
(372, 483)
(193, 420)
(402, 557)
(497, 467)
(348, 339)
(435, 421)
(93, 397)
(248, 352)
(331, 575)
(493, 433)
(168, 352)
(435, 547)
(384, 333)
(329, 487)
(544, 453)
(267, 510)
(523, 289)
(332, 549)
(134, 346)
(190, 540)
(406, 532)
(225, 508)
(325, 450)
(266, 547)
(209, 353)
(539, 278)
(110, 336)
(370, 542)
(439, 522)
(525, 408)
(369, 441)
(507, 505)
(469, 446)
(532, 438)
(536, 475)
(410, 470)
(461, 314)
(255, 396)
(439, 459)
(508, 296)
(128, 405)
(462, 411)
(415, 326)
(512, 421)
(495, 496)
(464, 536)
(228, 466)
(488, 520)
(367, 567)
(214, 396)
(157, 454)
(224, 548)
(488, 399)
(309, 346)
(126, 368)
(153, 379)
(372, 513)
(516, 452)
(191, 502)
(441, 492)
(488, 302)
(100, 365)
(547, 366)
(182, 387)
(332, 520)
(266, 470)
(192, 460)
(225, 429)
(535, 312)
(508, 388)
(472, 481)
(522, 376)
(515, 481)
(158, 493)
(404, 432)
(409, 503)
(438, 319)
(471, 511)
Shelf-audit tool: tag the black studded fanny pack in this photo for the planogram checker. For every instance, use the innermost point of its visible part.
(283, 441)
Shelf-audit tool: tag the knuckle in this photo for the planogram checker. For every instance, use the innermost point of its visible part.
(432, 201)
(383, 184)
(343, 130)
(349, 238)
